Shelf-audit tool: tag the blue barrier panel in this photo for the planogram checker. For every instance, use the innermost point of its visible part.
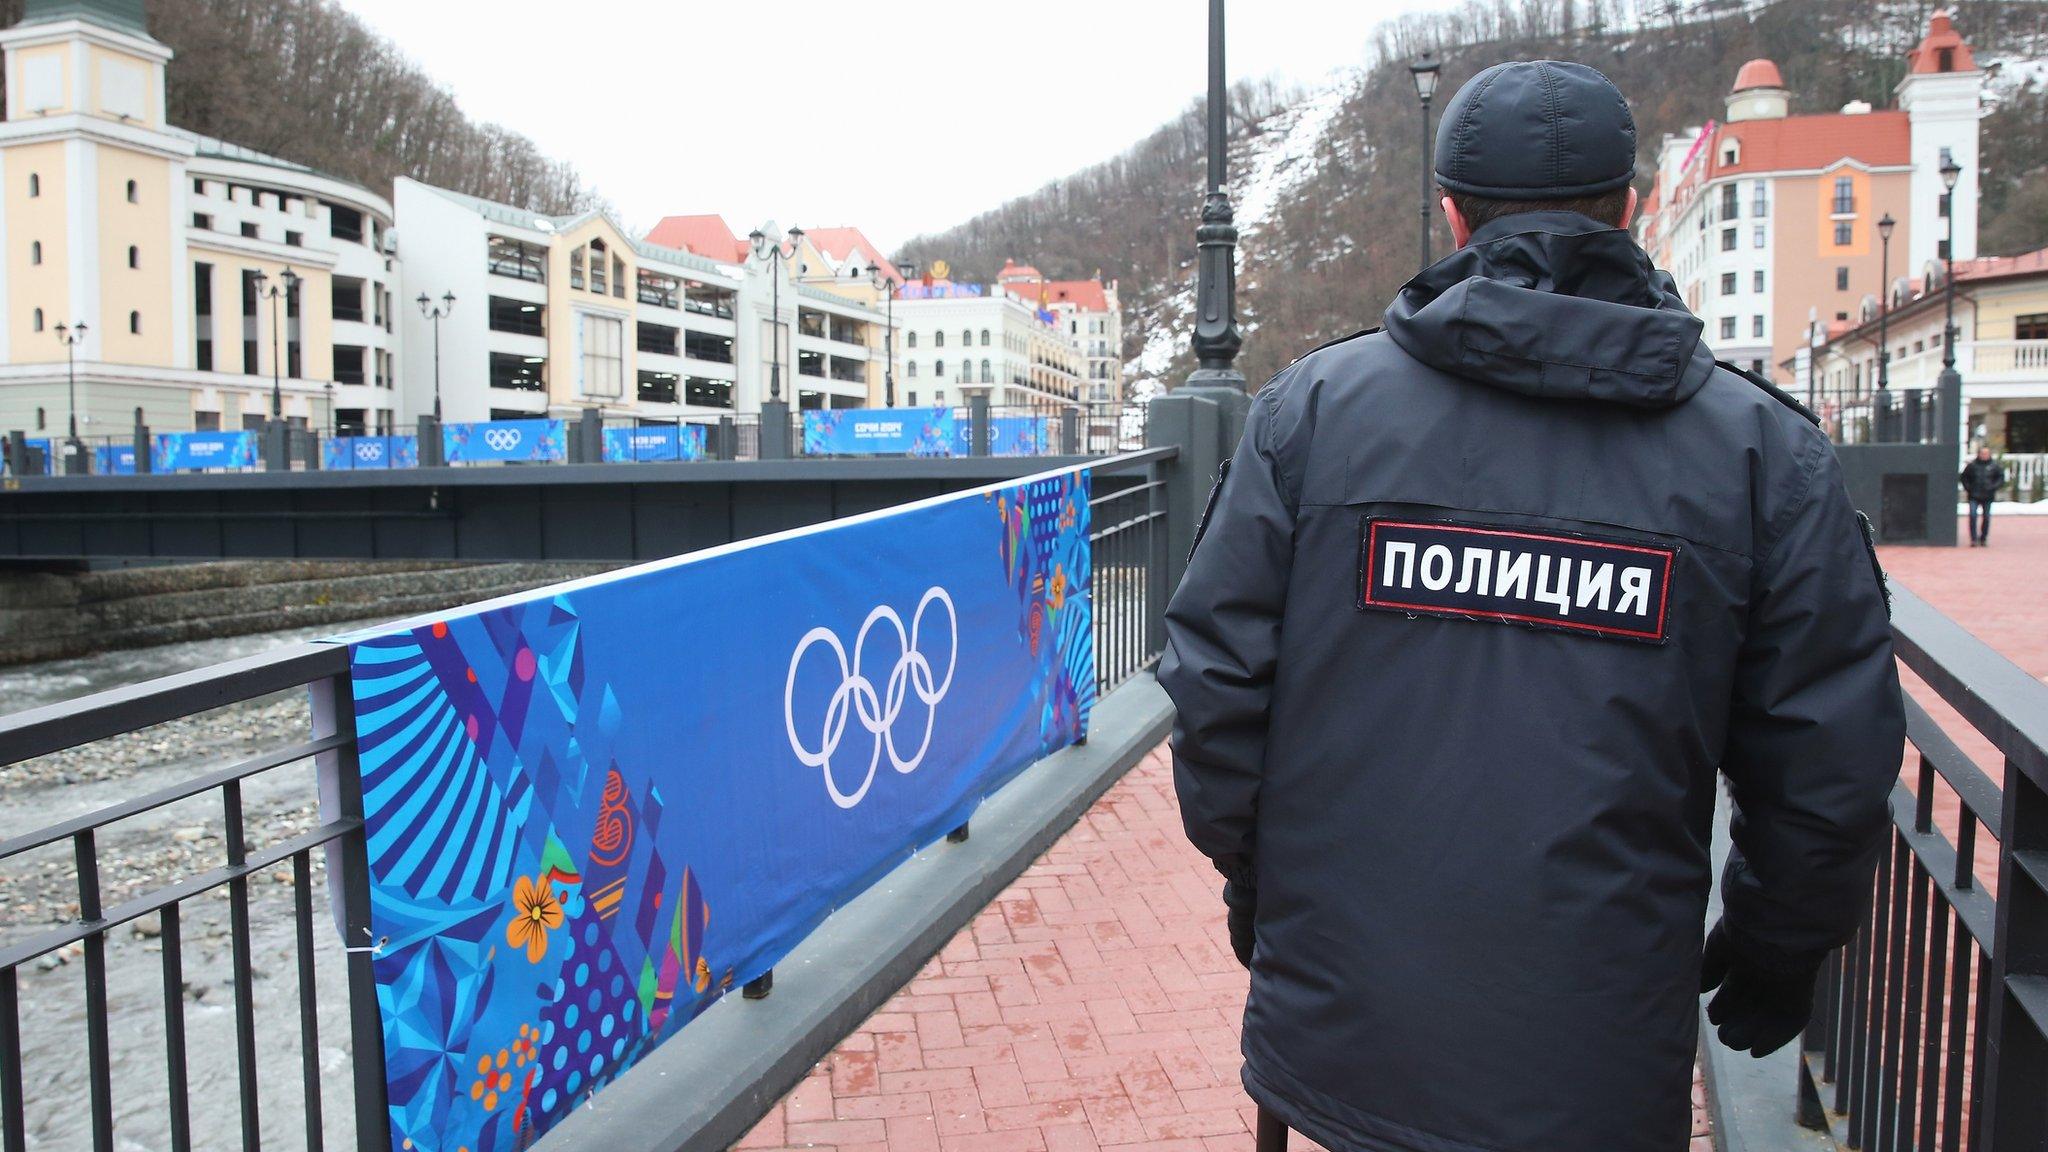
(183, 451)
(114, 459)
(348, 453)
(1007, 436)
(879, 432)
(561, 787)
(487, 440)
(654, 442)
(48, 446)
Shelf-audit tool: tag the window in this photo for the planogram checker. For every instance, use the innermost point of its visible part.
(657, 338)
(348, 299)
(518, 260)
(35, 252)
(1756, 281)
(599, 269)
(967, 337)
(706, 300)
(706, 346)
(1760, 201)
(1731, 155)
(1727, 283)
(618, 278)
(910, 398)
(1756, 326)
(939, 338)
(939, 369)
(344, 223)
(576, 268)
(39, 320)
(1844, 233)
(810, 363)
(987, 374)
(910, 339)
(660, 291)
(1941, 249)
(523, 372)
(1842, 279)
(2033, 326)
(35, 184)
(519, 317)
(658, 387)
(910, 370)
(133, 197)
(134, 256)
(1727, 239)
(1727, 327)
(42, 419)
(1731, 206)
(249, 230)
(1756, 236)
(603, 352)
(707, 393)
(348, 365)
(984, 337)
(1845, 196)
(295, 239)
(135, 323)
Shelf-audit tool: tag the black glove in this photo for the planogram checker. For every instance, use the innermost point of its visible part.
(1242, 902)
(1759, 1009)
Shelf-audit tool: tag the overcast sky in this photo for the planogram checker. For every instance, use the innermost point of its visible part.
(899, 116)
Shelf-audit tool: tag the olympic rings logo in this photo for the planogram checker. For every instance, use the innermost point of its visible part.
(857, 698)
(502, 439)
(369, 450)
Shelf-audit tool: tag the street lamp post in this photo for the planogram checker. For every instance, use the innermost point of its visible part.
(72, 336)
(435, 313)
(1885, 224)
(288, 282)
(1425, 70)
(1217, 338)
(1948, 409)
(776, 259)
(889, 284)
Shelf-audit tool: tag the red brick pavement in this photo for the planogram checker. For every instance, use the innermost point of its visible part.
(1094, 1006)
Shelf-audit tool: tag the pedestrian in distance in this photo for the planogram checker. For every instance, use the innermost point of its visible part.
(1483, 609)
(1981, 478)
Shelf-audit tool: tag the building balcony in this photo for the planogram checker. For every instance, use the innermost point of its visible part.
(1991, 369)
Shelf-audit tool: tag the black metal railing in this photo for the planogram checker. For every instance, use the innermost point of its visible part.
(337, 832)
(1930, 1029)
(1128, 540)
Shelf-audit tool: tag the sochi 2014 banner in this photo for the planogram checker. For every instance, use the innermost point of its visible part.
(578, 840)
(1007, 436)
(184, 451)
(502, 440)
(114, 459)
(879, 431)
(653, 442)
(349, 453)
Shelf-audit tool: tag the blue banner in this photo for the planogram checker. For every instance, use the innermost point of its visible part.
(48, 446)
(488, 440)
(348, 453)
(879, 431)
(654, 442)
(114, 459)
(577, 841)
(1007, 436)
(185, 451)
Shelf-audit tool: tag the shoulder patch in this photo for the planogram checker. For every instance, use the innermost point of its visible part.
(1775, 392)
(1501, 574)
(1333, 343)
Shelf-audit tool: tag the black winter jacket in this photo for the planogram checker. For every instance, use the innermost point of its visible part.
(1481, 608)
(1982, 479)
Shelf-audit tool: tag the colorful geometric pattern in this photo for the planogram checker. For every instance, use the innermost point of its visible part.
(558, 789)
(879, 431)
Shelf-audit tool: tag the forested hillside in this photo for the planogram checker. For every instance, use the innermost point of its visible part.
(307, 81)
(1327, 181)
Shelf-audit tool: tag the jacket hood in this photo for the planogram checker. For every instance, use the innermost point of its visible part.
(1554, 305)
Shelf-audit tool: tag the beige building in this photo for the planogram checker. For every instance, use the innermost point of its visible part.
(1769, 221)
(165, 247)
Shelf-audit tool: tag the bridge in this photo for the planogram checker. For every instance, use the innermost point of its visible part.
(602, 866)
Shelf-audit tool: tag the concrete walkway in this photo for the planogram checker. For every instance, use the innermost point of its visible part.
(1095, 1004)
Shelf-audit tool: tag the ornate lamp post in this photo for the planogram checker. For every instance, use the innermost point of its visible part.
(1425, 69)
(435, 313)
(72, 336)
(776, 258)
(1950, 388)
(1217, 338)
(288, 282)
(1885, 224)
(888, 285)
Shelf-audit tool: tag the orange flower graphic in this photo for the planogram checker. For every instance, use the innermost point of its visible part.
(534, 912)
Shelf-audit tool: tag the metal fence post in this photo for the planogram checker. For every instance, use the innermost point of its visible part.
(143, 463)
(1192, 424)
(1070, 430)
(977, 425)
(431, 451)
(276, 447)
(728, 437)
(17, 452)
(774, 430)
(587, 446)
(2015, 1050)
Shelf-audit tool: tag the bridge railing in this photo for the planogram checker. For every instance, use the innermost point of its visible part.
(1930, 1029)
(286, 815)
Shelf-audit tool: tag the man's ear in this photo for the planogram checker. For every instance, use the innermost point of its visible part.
(1461, 232)
(1628, 214)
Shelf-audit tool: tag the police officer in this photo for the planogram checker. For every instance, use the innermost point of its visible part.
(1483, 605)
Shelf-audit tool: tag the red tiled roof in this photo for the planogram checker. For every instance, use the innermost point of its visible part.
(1758, 73)
(1797, 143)
(839, 243)
(1013, 269)
(706, 236)
(1087, 295)
(1941, 34)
